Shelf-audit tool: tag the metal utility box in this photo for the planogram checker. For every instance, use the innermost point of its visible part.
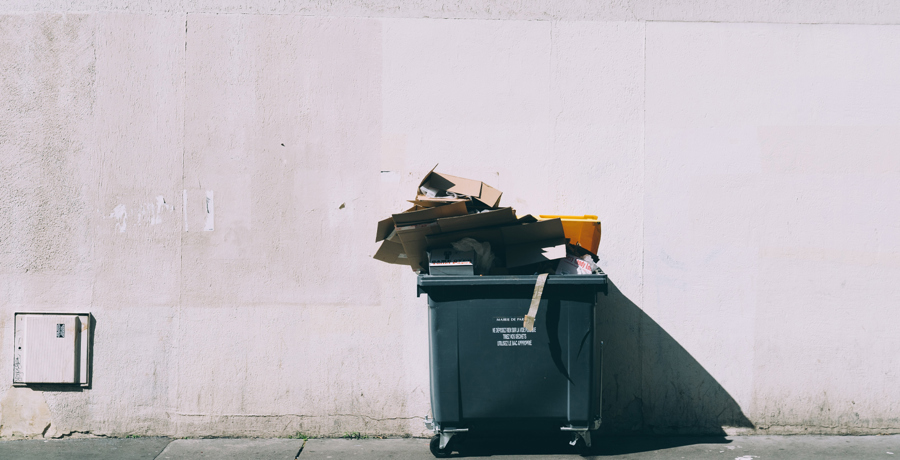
(489, 373)
(52, 348)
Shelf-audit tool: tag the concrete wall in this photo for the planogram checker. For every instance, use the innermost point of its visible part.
(744, 158)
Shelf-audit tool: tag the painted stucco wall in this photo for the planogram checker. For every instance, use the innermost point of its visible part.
(744, 158)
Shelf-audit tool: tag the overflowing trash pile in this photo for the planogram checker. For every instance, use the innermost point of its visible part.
(457, 227)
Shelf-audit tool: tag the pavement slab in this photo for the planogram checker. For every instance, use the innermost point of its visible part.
(621, 448)
(394, 449)
(529, 446)
(83, 448)
(232, 449)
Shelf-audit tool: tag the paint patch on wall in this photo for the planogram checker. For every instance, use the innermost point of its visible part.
(120, 213)
(160, 205)
(152, 212)
(25, 414)
(146, 214)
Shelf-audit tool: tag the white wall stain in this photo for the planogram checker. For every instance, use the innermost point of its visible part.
(160, 205)
(152, 212)
(148, 213)
(120, 213)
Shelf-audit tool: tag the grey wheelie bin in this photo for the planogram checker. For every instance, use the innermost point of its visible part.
(489, 374)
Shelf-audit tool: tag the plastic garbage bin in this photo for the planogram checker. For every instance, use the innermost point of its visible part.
(488, 373)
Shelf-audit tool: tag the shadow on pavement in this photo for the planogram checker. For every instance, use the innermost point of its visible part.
(544, 443)
(619, 445)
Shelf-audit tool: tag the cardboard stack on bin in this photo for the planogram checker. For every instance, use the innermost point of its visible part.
(448, 209)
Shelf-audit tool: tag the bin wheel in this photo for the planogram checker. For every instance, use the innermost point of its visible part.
(436, 450)
(578, 446)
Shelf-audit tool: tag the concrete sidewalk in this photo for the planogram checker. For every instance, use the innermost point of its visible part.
(533, 448)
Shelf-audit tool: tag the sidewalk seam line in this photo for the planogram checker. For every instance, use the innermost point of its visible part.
(164, 448)
(299, 451)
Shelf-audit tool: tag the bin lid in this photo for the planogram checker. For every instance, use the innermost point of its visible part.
(425, 281)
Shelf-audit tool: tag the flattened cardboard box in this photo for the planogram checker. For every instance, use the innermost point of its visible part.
(533, 243)
(522, 244)
(414, 237)
(479, 191)
(416, 215)
(385, 227)
(429, 214)
(392, 253)
(391, 250)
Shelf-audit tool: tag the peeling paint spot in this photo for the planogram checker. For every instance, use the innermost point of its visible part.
(152, 213)
(160, 204)
(121, 216)
(148, 213)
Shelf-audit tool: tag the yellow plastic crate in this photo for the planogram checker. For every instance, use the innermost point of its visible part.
(580, 230)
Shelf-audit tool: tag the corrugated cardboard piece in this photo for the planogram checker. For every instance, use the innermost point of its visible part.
(534, 243)
(429, 214)
(414, 237)
(479, 191)
(392, 253)
(448, 209)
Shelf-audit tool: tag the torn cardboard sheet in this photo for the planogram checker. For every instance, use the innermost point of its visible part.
(429, 214)
(435, 202)
(482, 227)
(535, 302)
(392, 250)
(483, 219)
(414, 237)
(534, 243)
(492, 235)
(434, 183)
(385, 227)
(392, 253)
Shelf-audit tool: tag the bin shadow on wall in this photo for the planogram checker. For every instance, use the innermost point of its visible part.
(653, 386)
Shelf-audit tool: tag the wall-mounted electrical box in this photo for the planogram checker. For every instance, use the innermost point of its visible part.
(52, 348)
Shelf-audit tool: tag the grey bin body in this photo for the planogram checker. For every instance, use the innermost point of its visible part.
(548, 379)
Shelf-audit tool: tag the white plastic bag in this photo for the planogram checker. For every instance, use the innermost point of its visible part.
(484, 257)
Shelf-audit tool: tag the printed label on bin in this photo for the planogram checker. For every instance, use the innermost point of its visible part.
(511, 336)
